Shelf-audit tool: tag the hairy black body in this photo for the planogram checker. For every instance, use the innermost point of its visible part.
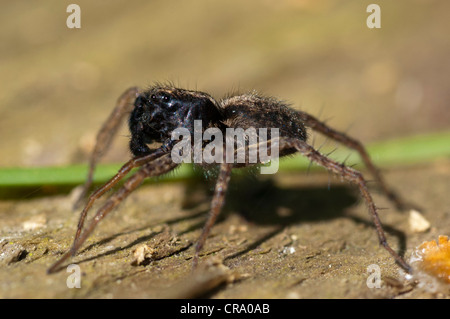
(161, 109)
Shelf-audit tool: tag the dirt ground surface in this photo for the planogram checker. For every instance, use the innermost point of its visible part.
(295, 235)
(283, 237)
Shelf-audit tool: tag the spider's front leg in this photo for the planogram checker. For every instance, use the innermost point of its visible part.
(106, 134)
(151, 168)
(125, 169)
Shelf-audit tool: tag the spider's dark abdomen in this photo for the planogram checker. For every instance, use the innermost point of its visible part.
(251, 110)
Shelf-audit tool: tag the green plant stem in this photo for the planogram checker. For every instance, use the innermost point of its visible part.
(404, 151)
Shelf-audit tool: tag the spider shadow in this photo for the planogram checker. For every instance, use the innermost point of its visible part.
(262, 202)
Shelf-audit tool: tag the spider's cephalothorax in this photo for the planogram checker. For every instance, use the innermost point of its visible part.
(161, 109)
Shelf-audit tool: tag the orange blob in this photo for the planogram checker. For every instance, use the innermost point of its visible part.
(434, 258)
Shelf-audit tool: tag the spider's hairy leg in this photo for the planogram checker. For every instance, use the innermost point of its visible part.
(220, 191)
(106, 134)
(352, 176)
(157, 167)
(354, 144)
(216, 206)
(124, 170)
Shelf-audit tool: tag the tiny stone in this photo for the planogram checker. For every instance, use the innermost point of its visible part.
(418, 223)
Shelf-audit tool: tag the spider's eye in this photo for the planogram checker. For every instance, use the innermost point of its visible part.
(164, 100)
(161, 97)
(165, 97)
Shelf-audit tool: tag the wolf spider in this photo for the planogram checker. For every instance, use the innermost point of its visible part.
(161, 109)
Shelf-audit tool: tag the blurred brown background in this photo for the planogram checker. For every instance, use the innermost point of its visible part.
(59, 84)
(295, 236)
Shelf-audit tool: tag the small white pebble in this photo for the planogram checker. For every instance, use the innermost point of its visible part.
(293, 295)
(408, 277)
(289, 250)
(34, 223)
(418, 223)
